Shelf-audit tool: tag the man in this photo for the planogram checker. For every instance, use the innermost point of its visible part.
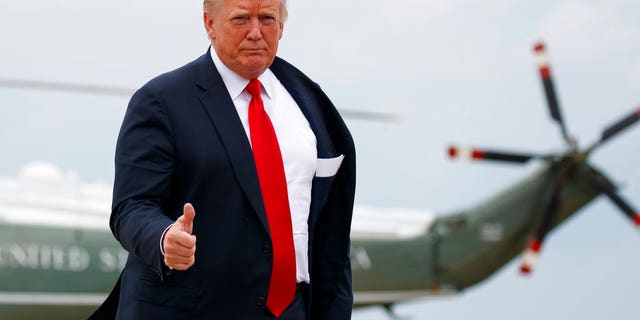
(234, 184)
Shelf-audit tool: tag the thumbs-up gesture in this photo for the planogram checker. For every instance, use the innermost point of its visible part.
(178, 244)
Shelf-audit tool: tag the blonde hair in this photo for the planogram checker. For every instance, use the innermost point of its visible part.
(210, 6)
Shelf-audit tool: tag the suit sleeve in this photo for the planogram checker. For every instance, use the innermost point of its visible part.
(144, 164)
(332, 287)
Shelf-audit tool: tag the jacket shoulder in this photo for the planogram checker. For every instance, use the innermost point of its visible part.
(176, 80)
(281, 66)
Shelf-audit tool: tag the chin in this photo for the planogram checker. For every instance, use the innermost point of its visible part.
(257, 66)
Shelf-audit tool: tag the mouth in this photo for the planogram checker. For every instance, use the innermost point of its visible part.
(254, 50)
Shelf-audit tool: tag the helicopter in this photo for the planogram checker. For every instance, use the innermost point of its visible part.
(58, 259)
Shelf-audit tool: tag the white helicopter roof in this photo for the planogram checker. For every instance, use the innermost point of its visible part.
(42, 194)
(378, 223)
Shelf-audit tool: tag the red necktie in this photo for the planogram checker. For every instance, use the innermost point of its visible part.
(273, 184)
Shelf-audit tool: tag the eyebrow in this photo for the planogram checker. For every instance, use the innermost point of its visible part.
(244, 12)
(239, 12)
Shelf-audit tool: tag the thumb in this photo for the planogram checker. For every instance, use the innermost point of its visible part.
(189, 213)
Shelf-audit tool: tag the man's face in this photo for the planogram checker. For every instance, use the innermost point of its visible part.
(245, 34)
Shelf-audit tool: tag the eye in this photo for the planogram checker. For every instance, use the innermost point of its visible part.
(268, 20)
(239, 20)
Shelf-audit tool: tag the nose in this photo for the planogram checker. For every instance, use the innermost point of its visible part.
(255, 33)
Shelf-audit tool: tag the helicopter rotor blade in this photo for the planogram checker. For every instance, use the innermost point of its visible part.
(619, 126)
(371, 115)
(610, 191)
(478, 154)
(128, 92)
(535, 244)
(542, 60)
(65, 87)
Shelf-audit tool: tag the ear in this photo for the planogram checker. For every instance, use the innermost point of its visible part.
(209, 25)
(281, 30)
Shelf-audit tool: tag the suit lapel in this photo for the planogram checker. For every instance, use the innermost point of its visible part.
(224, 116)
(303, 92)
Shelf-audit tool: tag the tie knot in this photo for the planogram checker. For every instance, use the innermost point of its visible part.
(254, 87)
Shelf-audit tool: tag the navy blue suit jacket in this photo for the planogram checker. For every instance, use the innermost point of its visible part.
(182, 141)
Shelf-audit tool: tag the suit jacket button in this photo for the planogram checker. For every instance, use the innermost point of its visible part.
(267, 249)
(260, 301)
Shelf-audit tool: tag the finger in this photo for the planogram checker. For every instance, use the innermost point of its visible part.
(175, 250)
(180, 265)
(173, 261)
(189, 214)
(186, 240)
(179, 237)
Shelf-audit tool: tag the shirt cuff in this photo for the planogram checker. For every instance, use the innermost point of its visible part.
(162, 238)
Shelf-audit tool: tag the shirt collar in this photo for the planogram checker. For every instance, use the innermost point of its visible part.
(235, 83)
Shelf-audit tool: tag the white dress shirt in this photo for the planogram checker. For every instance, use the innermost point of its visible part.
(297, 144)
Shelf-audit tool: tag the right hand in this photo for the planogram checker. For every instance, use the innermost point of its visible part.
(179, 244)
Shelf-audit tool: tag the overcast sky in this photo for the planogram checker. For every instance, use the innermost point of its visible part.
(459, 70)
